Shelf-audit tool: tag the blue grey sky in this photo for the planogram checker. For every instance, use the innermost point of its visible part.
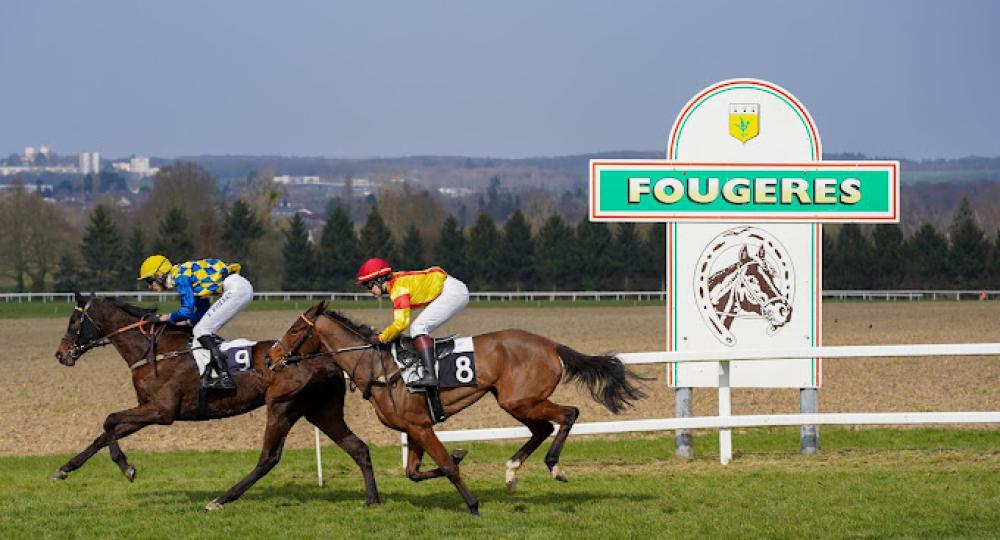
(910, 79)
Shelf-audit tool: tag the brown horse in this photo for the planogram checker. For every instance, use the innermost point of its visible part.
(519, 368)
(167, 390)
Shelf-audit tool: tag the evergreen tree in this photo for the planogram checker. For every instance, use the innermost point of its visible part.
(102, 251)
(299, 259)
(516, 251)
(375, 239)
(411, 253)
(595, 255)
(135, 253)
(888, 260)
(68, 275)
(852, 266)
(656, 252)
(482, 255)
(829, 255)
(628, 255)
(969, 247)
(174, 239)
(553, 257)
(449, 253)
(239, 230)
(339, 253)
(928, 266)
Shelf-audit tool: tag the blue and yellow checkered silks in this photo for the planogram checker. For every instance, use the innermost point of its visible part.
(206, 275)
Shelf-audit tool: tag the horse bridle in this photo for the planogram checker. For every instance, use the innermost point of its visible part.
(77, 350)
(762, 302)
(288, 355)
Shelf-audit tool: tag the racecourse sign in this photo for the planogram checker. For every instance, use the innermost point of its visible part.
(719, 192)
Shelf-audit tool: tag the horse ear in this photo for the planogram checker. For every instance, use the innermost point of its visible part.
(78, 298)
(744, 254)
(321, 306)
(761, 254)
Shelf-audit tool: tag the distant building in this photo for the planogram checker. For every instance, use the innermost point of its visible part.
(29, 155)
(136, 165)
(90, 162)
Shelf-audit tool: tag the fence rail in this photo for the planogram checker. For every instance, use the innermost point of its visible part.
(725, 421)
(501, 296)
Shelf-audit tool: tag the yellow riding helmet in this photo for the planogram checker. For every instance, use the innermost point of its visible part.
(156, 264)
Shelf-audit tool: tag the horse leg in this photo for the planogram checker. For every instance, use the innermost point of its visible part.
(540, 430)
(124, 423)
(427, 440)
(330, 419)
(280, 419)
(565, 416)
(415, 454)
(78, 460)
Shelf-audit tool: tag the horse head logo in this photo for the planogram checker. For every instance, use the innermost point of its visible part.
(744, 273)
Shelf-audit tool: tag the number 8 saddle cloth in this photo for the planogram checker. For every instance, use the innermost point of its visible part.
(456, 361)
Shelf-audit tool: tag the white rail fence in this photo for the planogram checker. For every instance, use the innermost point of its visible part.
(573, 296)
(725, 421)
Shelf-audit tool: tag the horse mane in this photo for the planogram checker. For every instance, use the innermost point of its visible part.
(363, 329)
(134, 311)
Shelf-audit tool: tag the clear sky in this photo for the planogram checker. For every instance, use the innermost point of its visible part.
(512, 78)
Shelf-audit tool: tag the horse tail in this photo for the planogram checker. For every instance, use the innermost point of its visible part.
(608, 380)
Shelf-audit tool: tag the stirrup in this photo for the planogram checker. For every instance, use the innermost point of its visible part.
(221, 382)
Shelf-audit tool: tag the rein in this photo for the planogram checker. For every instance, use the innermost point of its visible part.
(78, 350)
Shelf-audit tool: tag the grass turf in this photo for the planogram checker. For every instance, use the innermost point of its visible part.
(928, 483)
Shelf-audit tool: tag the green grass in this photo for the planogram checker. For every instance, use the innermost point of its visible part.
(59, 309)
(873, 483)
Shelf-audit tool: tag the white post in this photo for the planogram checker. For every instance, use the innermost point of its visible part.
(319, 460)
(725, 411)
(403, 444)
(684, 445)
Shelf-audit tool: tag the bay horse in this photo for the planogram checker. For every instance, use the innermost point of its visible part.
(167, 390)
(519, 368)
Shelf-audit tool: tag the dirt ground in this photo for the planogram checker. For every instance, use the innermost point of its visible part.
(49, 408)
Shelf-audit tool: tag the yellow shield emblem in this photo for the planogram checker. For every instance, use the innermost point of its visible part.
(744, 121)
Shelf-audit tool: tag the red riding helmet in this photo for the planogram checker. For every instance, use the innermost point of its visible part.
(373, 268)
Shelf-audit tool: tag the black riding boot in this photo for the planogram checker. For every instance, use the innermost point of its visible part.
(424, 345)
(222, 380)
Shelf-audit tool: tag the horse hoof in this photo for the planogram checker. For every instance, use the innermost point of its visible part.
(559, 474)
(376, 502)
(59, 474)
(213, 506)
(512, 486)
(458, 455)
(130, 473)
(474, 510)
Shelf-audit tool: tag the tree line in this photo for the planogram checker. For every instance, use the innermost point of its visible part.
(532, 248)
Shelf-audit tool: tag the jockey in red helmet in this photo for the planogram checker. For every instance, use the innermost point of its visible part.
(441, 296)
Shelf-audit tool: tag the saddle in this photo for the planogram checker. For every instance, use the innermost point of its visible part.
(407, 353)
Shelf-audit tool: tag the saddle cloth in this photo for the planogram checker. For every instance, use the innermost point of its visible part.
(456, 365)
(238, 352)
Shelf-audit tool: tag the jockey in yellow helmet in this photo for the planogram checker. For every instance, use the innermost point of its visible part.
(196, 282)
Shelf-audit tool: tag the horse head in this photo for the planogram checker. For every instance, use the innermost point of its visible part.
(82, 329)
(760, 293)
(93, 323)
(300, 338)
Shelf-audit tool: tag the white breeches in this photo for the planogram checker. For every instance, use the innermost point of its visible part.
(237, 293)
(454, 296)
